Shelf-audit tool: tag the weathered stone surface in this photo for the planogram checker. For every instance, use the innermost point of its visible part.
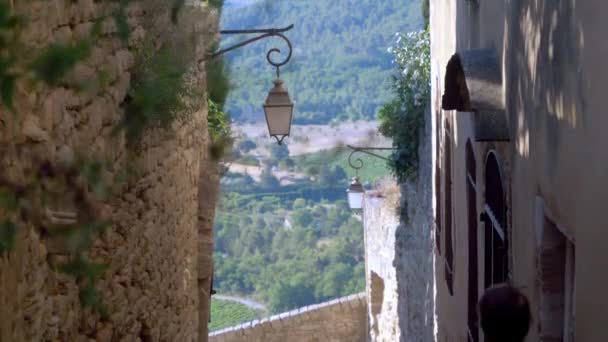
(31, 130)
(339, 320)
(151, 286)
(399, 255)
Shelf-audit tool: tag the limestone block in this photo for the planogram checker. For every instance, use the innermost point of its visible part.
(108, 26)
(135, 9)
(53, 109)
(82, 30)
(150, 279)
(86, 9)
(138, 34)
(32, 130)
(118, 91)
(62, 35)
(36, 34)
(124, 60)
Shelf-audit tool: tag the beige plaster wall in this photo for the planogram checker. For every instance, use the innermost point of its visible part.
(151, 286)
(559, 149)
(552, 56)
(340, 320)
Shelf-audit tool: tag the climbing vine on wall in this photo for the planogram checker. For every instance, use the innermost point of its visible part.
(61, 198)
(218, 87)
(402, 119)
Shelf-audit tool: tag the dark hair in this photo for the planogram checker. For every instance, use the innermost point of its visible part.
(505, 314)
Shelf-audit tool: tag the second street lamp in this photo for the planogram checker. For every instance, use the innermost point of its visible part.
(355, 191)
(278, 108)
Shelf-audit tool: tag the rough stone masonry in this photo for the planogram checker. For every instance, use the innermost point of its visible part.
(339, 320)
(151, 286)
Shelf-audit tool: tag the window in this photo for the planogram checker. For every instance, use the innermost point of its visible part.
(449, 251)
(496, 246)
(438, 189)
(471, 181)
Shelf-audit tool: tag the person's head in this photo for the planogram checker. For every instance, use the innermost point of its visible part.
(505, 314)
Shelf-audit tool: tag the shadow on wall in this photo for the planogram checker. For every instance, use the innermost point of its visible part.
(545, 83)
(376, 299)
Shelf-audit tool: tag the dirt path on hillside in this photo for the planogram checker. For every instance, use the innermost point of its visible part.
(313, 138)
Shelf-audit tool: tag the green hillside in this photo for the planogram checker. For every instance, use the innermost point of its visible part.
(372, 170)
(226, 314)
(340, 67)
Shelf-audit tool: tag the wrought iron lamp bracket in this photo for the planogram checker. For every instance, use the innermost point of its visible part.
(264, 33)
(357, 163)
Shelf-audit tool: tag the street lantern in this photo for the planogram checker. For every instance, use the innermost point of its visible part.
(279, 111)
(355, 194)
(278, 107)
(355, 191)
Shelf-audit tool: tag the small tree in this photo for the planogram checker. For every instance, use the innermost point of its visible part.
(402, 118)
(339, 174)
(279, 152)
(268, 180)
(247, 145)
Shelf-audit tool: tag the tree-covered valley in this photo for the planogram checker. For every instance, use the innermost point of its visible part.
(284, 235)
(340, 68)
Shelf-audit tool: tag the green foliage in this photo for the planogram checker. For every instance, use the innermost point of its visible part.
(290, 253)
(226, 313)
(313, 163)
(50, 186)
(246, 145)
(340, 65)
(218, 87)
(402, 118)
(10, 26)
(160, 92)
(218, 122)
(120, 18)
(329, 176)
(57, 60)
(159, 95)
(279, 152)
(218, 80)
(216, 3)
(248, 160)
(8, 230)
(426, 12)
(268, 181)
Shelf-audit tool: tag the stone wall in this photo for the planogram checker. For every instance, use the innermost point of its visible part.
(414, 249)
(151, 286)
(399, 255)
(341, 319)
(381, 221)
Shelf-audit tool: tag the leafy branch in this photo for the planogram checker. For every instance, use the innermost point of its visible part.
(218, 120)
(403, 117)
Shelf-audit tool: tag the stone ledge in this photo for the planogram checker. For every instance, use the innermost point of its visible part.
(334, 313)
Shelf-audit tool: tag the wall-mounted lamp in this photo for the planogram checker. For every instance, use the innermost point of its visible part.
(278, 108)
(355, 191)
